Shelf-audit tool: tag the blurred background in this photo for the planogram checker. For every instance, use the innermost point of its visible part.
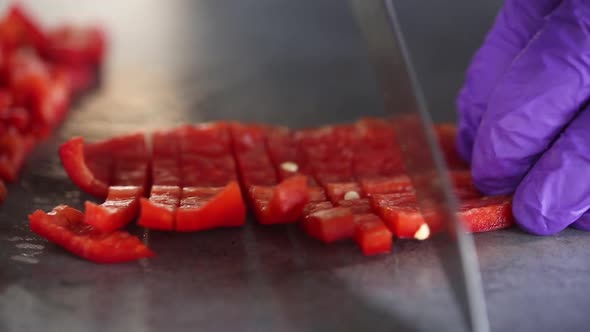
(280, 61)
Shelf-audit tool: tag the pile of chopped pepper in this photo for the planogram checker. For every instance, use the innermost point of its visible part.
(338, 183)
(41, 72)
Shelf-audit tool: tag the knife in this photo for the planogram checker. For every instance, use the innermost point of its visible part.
(405, 104)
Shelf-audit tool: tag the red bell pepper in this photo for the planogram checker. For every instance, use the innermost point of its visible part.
(76, 46)
(211, 196)
(252, 160)
(159, 211)
(330, 225)
(283, 203)
(64, 226)
(337, 192)
(207, 208)
(17, 29)
(358, 206)
(487, 213)
(286, 155)
(120, 207)
(88, 166)
(372, 235)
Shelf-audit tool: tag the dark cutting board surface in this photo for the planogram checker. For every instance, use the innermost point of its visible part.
(299, 63)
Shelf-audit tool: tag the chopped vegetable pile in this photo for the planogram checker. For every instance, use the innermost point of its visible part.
(340, 182)
(41, 72)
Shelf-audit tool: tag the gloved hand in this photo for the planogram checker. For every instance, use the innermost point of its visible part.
(524, 122)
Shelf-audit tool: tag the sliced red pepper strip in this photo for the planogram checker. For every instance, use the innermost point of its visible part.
(283, 203)
(487, 213)
(64, 226)
(159, 211)
(252, 160)
(372, 235)
(330, 225)
(120, 207)
(207, 208)
(89, 167)
(286, 156)
(402, 214)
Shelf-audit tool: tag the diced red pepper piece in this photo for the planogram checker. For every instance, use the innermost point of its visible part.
(207, 208)
(330, 225)
(372, 235)
(76, 45)
(159, 212)
(120, 207)
(340, 191)
(283, 203)
(88, 167)
(16, 117)
(487, 213)
(213, 139)
(400, 212)
(64, 226)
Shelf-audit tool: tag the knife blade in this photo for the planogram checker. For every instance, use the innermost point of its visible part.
(404, 102)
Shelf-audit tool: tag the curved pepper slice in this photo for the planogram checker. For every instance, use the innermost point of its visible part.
(89, 169)
(120, 207)
(64, 226)
(283, 203)
(159, 211)
(206, 208)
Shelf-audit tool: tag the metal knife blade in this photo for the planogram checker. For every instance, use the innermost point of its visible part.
(405, 103)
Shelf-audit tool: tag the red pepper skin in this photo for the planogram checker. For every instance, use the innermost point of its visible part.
(330, 225)
(372, 235)
(64, 226)
(283, 203)
(208, 208)
(73, 159)
(120, 207)
(159, 211)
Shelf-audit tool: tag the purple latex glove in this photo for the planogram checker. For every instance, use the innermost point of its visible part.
(524, 124)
